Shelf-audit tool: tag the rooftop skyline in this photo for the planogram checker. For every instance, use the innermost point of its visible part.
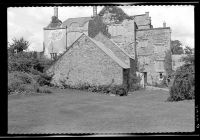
(28, 22)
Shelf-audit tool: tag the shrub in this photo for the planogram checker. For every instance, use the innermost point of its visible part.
(119, 90)
(27, 88)
(135, 83)
(83, 86)
(17, 79)
(43, 89)
(183, 85)
(13, 85)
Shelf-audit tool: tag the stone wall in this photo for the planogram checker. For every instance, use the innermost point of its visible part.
(124, 35)
(54, 41)
(143, 21)
(86, 63)
(114, 48)
(151, 47)
(74, 31)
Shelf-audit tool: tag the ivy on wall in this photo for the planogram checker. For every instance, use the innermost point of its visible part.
(95, 26)
(117, 14)
(168, 62)
(55, 22)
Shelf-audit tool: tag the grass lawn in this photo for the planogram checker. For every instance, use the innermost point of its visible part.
(73, 111)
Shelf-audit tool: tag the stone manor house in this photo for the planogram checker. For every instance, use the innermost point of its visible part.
(102, 60)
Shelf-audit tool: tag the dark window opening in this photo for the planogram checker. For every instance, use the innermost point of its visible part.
(53, 56)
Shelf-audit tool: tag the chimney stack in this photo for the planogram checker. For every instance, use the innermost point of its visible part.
(164, 24)
(56, 12)
(94, 11)
(147, 14)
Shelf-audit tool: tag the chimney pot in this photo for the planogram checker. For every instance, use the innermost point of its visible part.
(147, 14)
(56, 12)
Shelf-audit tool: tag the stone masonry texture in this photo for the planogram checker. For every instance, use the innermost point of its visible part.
(85, 63)
(151, 47)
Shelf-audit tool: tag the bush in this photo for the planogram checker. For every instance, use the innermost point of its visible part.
(135, 84)
(27, 82)
(17, 79)
(44, 89)
(119, 90)
(183, 85)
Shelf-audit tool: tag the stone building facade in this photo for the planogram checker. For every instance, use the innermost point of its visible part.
(152, 44)
(135, 36)
(89, 61)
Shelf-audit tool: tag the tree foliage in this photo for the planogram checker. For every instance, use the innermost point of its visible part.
(188, 59)
(55, 22)
(188, 50)
(176, 47)
(95, 26)
(117, 14)
(183, 85)
(18, 45)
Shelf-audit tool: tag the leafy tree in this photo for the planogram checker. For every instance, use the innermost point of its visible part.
(95, 26)
(188, 50)
(18, 45)
(183, 85)
(189, 59)
(116, 13)
(176, 47)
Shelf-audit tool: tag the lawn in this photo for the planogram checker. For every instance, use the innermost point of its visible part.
(73, 111)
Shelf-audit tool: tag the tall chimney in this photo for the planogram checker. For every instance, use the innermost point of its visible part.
(56, 12)
(94, 11)
(164, 24)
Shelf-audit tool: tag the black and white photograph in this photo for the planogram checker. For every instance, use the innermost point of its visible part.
(101, 69)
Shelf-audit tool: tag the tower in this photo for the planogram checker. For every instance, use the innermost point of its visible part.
(56, 12)
(94, 11)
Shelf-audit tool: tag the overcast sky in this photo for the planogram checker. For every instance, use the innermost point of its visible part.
(28, 22)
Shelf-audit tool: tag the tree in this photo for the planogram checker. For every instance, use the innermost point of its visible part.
(95, 26)
(188, 50)
(176, 47)
(184, 81)
(19, 45)
(188, 59)
(116, 13)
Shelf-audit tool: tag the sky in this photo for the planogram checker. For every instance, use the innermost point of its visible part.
(28, 22)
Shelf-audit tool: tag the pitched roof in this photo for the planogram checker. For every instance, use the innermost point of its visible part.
(80, 20)
(103, 48)
(110, 53)
(117, 50)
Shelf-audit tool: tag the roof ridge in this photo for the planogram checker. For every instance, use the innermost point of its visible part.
(111, 54)
(77, 17)
(121, 49)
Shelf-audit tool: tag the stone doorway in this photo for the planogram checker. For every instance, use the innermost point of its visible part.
(145, 78)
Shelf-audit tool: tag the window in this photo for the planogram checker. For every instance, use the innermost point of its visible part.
(161, 75)
(53, 56)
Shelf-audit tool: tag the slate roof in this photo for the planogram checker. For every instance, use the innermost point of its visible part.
(103, 48)
(110, 53)
(80, 20)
